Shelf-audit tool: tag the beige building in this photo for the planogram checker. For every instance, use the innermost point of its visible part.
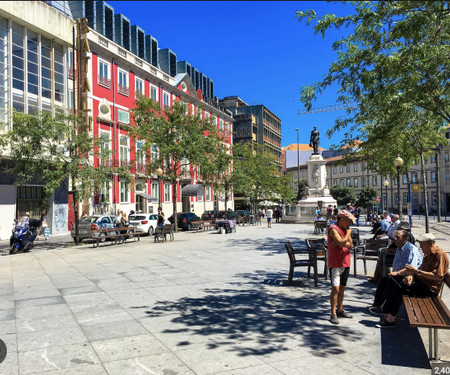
(355, 174)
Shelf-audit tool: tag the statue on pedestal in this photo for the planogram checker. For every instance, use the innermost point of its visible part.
(314, 140)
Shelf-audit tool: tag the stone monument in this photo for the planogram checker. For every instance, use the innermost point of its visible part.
(318, 193)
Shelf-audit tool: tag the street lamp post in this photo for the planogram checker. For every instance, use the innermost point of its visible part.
(298, 166)
(398, 162)
(159, 173)
(386, 184)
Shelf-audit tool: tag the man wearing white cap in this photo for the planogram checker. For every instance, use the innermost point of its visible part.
(422, 282)
(339, 245)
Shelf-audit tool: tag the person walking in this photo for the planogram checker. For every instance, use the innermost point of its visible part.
(339, 245)
(269, 214)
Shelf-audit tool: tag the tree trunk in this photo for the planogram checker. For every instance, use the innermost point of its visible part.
(425, 192)
(76, 213)
(174, 203)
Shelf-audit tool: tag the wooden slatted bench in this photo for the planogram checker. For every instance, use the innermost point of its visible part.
(203, 224)
(167, 229)
(320, 226)
(431, 313)
(369, 250)
(101, 235)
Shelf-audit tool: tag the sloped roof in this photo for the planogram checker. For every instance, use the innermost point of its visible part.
(301, 147)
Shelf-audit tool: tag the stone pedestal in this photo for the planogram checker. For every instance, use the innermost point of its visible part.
(318, 194)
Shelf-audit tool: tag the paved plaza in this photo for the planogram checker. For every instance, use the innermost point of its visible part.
(206, 303)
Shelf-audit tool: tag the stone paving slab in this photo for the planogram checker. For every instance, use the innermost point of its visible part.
(204, 304)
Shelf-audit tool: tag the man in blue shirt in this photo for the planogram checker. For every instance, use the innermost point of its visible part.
(406, 253)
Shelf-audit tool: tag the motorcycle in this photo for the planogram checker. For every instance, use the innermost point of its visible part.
(23, 235)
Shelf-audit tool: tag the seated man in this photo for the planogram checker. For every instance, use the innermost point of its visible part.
(406, 253)
(384, 226)
(423, 281)
(392, 247)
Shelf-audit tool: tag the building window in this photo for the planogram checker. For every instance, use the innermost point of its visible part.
(123, 116)
(123, 83)
(363, 181)
(140, 158)
(341, 169)
(303, 174)
(395, 180)
(123, 191)
(355, 167)
(155, 190)
(434, 199)
(334, 170)
(208, 192)
(446, 158)
(342, 182)
(105, 191)
(167, 195)
(433, 176)
(405, 179)
(295, 187)
(433, 158)
(154, 93)
(355, 182)
(123, 151)
(405, 198)
(414, 178)
(139, 87)
(348, 182)
(362, 167)
(374, 180)
(104, 78)
(166, 99)
(105, 149)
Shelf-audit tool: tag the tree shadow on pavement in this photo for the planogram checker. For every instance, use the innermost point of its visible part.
(261, 314)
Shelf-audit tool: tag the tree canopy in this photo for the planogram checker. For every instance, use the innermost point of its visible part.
(182, 140)
(343, 194)
(55, 149)
(394, 61)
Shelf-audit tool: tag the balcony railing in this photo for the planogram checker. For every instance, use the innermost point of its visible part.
(123, 90)
(105, 82)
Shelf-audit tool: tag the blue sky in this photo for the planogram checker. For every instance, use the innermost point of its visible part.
(256, 50)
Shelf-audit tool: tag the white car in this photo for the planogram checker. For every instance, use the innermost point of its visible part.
(144, 222)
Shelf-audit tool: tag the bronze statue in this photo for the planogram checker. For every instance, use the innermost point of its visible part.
(314, 141)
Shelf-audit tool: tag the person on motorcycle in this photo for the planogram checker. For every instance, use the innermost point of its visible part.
(23, 221)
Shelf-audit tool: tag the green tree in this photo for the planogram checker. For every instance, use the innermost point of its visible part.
(394, 65)
(56, 149)
(303, 185)
(366, 197)
(343, 194)
(256, 175)
(183, 140)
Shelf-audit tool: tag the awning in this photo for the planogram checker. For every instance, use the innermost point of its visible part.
(147, 196)
(193, 190)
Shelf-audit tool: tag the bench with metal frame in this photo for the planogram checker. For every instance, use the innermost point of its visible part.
(431, 313)
(203, 224)
(119, 235)
(161, 234)
(368, 250)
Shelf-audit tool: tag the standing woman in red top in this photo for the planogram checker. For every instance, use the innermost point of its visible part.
(339, 245)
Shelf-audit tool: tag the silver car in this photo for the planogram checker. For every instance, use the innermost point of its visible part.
(94, 222)
(144, 222)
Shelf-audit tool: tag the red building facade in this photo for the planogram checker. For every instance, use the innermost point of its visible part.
(110, 79)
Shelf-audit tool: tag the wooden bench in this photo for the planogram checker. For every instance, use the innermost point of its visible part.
(320, 226)
(309, 260)
(203, 224)
(116, 234)
(431, 313)
(167, 229)
(369, 250)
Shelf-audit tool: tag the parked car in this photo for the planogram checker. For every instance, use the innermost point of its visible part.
(94, 222)
(144, 222)
(185, 220)
(208, 215)
(227, 215)
(242, 214)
